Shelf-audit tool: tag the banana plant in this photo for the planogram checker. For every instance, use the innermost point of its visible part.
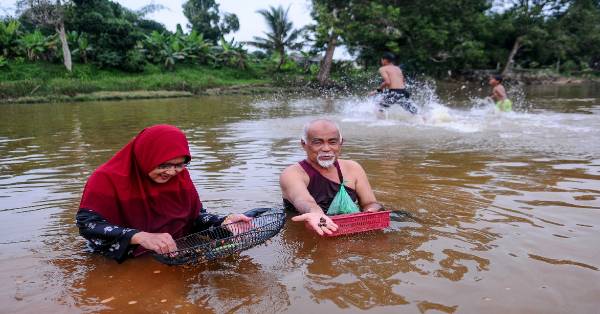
(3, 61)
(83, 47)
(198, 48)
(51, 47)
(34, 44)
(233, 54)
(172, 53)
(153, 45)
(8, 34)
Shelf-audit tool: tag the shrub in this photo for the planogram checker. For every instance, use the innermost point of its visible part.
(108, 59)
(134, 61)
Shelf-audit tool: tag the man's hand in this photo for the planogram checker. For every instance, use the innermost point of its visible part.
(158, 242)
(373, 93)
(243, 225)
(319, 222)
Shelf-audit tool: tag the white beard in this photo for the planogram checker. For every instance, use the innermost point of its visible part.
(325, 163)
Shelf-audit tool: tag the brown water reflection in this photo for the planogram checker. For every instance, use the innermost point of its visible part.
(494, 213)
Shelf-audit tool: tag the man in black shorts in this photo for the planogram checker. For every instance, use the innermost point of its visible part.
(393, 86)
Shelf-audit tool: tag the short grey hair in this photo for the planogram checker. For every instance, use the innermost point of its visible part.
(307, 125)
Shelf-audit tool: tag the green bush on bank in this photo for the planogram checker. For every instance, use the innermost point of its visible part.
(22, 79)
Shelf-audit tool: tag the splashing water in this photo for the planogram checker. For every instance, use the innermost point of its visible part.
(432, 110)
(530, 126)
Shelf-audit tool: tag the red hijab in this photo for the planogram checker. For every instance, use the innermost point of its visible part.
(122, 192)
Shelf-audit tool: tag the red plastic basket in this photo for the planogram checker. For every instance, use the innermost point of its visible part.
(360, 222)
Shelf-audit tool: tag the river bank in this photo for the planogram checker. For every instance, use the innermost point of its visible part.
(45, 82)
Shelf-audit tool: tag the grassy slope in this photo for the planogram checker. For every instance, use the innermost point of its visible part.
(44, 79)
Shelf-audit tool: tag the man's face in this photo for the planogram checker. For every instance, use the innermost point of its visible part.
(492, 81)
(324, 144)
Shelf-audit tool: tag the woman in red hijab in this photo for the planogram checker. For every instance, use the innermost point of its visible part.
(143, 197)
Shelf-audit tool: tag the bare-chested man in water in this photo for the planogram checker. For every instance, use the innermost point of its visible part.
(393, 86)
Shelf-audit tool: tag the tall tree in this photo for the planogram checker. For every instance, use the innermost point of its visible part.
(204, 18)
(528, 18)
(281, 34)
(578, 34)
(433, 37)
(327, 32)
(49, 13)
(112, 30)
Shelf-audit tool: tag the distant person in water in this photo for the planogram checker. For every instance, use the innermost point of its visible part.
(499, 94)
(393, 86)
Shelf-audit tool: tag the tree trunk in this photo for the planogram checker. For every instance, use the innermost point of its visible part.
(512, 54)
(281, 62)
(60, 29)
(281, 59)
(323, 76)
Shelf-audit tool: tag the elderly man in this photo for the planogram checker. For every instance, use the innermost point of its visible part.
(310, 185)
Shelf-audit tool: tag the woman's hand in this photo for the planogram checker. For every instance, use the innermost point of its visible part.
(243, 224)
(158, 242)
(319, 222)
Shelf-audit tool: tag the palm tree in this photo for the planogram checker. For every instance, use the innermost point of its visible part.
(281, 34)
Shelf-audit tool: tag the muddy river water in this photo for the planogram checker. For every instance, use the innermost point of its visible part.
(496, 213)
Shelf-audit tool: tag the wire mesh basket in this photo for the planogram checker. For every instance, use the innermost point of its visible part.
(225, 240)
(360, 222)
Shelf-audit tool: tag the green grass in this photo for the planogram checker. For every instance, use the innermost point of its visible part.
(45, 80)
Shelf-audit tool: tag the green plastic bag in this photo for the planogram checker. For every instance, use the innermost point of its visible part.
(342, 203)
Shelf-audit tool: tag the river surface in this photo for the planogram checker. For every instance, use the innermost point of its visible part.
(496, 213)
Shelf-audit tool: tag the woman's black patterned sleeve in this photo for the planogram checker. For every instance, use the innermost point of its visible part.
(104, 237)
(206, 220)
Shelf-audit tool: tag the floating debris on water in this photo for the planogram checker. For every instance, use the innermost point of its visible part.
(107, 300)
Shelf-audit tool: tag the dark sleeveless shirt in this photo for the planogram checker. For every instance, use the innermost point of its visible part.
(320, 188)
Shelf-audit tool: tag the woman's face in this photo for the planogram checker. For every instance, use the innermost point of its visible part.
(167, 170)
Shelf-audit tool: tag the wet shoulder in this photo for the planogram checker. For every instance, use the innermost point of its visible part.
(349, 166)
(294, 170)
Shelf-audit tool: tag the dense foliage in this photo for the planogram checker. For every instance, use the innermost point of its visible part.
(433, 37)
(455, 35)
(205, 18)
(108, 35)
